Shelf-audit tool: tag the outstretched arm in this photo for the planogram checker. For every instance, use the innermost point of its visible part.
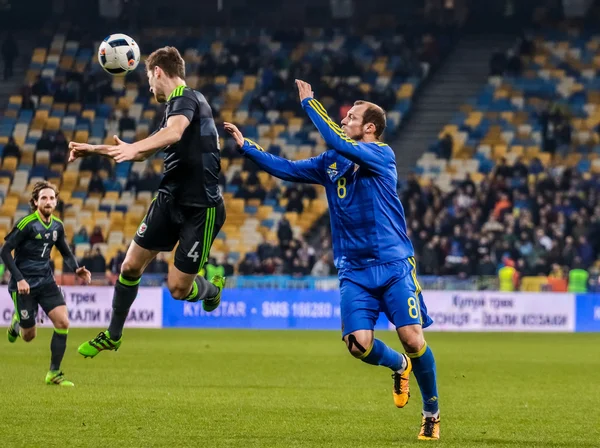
(374, 156)
(308, 170)
(138, 151)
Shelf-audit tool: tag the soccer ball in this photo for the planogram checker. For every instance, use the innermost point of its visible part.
(119, 54)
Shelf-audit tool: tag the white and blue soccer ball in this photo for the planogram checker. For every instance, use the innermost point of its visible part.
(119, 54)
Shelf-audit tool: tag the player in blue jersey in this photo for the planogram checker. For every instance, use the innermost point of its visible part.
(373, 254)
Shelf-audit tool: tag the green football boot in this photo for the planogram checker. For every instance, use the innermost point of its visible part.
(57, 378)
(211, 304)
(13, 330)
(101, 342)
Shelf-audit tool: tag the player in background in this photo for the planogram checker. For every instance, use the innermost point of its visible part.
(373, 254)
(32, 283)
(188, 208)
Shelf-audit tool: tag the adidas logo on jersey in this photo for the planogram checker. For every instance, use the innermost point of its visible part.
(38, 237)
(333, 166)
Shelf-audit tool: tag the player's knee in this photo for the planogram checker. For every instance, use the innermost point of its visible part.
(412, 339)
(131, 269)
(28, 334)
(178, 292)
(62, 324)
(358, 344)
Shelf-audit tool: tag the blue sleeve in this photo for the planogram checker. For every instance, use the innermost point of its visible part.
(373, 156)
(308, 170)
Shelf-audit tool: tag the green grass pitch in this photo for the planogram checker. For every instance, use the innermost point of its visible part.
(221, 388)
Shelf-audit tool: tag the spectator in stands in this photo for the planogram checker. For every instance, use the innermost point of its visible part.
(295, 202)
(111, 183)
(116, 262)
(514, 66)
(27, 103)
(126, 123)
(112, 125)
(237, 180)
(58, 154)
(95, 164)
(40, 87)
(446, 145)
(585, 252)
(11, 149)
(159, 265)
(132, 182)
(284, 232)
(45, 143)
(486, 267)
(97, 262)
(299, 269)
(149, 181)
(10, 52)
(229, 267)
(502, 169)
(247, 192)
(249, 264)
(536, 166)
(498, 63)
(86, 260)
(96, 185)
(81, 237)
(268, 249)
(502, 205)
(96, 237)
(322, 267)
(519, 169)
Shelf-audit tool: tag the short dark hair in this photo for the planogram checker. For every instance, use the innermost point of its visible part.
(169, 60)
(373, 114)
(39, 186)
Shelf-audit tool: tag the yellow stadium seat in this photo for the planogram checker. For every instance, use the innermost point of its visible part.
(47, 100)
(545, 158)
(59, 107)
(518, 150)
(66, 62)
(81, 136)
(27, 158)
(15, 99)
(292, 217)
(499, 151)
(235, 206)
(89, 114)
(249, 83)
(52, 124)
(112, 195)
(74, 108)
(10, 163)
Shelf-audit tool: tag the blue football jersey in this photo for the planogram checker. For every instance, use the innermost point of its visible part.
(368, 226)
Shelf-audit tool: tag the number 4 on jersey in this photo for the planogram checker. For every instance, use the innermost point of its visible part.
(193, 254)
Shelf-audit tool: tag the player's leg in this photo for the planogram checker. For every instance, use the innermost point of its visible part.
(23, 322)
(360, 310)
(403, 305)
(158, 232)
(125, 292)
(14, 329)
(198, 232)
(127, 285)
(54, 305)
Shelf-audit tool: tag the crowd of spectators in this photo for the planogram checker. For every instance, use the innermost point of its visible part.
(547, 222)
